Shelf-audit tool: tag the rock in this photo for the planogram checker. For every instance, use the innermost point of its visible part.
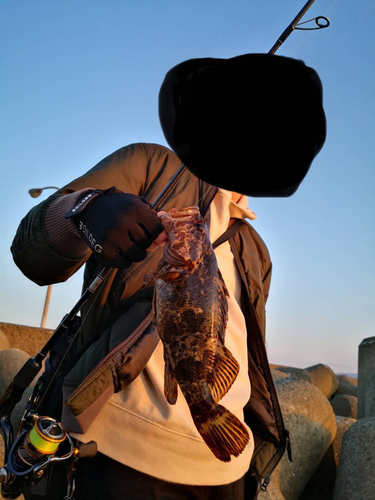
(347, 385)
(11, 361)
(343, 425)
(277, 375)
(312, 425)
(367, 392)
(345, 405)
(295, 373)
(27, 338)
(355, 479)
(366, 378)
(274, 366)
(322, 482)
(324, 378)
(17, 344)
(4, 342)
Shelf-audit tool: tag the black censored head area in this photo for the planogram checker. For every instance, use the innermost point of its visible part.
(251, 124)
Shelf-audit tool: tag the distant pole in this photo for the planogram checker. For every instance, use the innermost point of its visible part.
(366, 378)
(46, 306)
(34, 193)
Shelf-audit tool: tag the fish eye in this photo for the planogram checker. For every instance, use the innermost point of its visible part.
(200, 226)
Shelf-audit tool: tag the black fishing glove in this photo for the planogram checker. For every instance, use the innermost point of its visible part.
(117, 226)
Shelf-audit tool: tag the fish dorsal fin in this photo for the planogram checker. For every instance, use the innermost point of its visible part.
(224, 372)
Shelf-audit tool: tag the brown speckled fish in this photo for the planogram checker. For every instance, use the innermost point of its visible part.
(190, 310)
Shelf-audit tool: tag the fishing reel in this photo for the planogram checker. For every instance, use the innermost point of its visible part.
(41, 443)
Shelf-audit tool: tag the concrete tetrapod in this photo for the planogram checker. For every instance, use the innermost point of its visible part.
(322, 482)
(312, 425)
(355, 478)
(324, 378)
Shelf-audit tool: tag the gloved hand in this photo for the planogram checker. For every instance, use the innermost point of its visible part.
(118, 227)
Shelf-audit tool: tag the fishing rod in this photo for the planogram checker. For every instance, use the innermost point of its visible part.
(246, 103)
(320, 21)
(39, 439)
(42, 441)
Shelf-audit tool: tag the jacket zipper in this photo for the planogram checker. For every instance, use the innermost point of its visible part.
(131, 340)
(275, 462)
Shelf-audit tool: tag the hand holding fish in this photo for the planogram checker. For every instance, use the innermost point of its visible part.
(161, 238)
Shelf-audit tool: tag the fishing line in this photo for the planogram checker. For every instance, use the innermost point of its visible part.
(160, 199)
(309, 34)
(331, 7)
(67, 350)
(350, 30)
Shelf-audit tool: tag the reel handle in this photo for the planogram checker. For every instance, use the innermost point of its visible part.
(89, 449)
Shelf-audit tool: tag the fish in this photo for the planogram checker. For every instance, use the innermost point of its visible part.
(190, 310)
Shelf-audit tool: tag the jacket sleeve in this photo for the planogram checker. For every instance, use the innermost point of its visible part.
(47, 247)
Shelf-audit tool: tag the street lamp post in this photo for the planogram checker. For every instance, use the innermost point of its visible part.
(34, 193)
(46, 306)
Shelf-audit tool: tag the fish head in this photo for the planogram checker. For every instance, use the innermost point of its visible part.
(187, 237)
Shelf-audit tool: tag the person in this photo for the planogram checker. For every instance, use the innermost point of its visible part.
(113, 388)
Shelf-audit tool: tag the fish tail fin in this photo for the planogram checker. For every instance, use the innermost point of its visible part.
(223, 433)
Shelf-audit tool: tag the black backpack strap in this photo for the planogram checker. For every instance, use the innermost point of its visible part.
(228, 233)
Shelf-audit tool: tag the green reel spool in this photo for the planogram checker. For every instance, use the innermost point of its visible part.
(45, 437)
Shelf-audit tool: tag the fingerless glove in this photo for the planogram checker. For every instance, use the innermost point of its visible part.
(118, 227)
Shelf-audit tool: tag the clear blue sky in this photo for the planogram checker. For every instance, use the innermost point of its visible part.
(80, 79)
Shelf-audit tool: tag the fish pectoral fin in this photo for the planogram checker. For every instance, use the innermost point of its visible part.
(168, 276)
(223, 294)
(149, 278)
(224, 372)
(170, 384)
(223, 433)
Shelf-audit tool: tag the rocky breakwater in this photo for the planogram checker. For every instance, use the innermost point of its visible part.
(331, 420)
(355, 475)
(17, 344)
(319, 408)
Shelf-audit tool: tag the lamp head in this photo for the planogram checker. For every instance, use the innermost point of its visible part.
(35, 192)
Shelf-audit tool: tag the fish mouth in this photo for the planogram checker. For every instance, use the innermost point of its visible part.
(179, 214)
(187, 212)
(178, 250)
